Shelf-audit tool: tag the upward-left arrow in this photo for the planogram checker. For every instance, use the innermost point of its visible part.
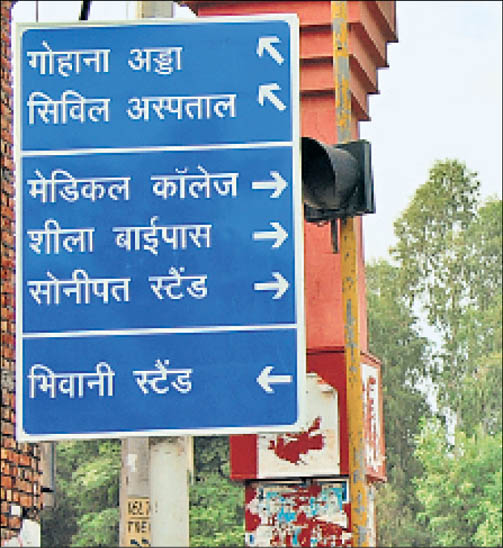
(265, 43)
(266, 91)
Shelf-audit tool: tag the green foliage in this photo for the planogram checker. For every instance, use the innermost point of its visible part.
(480, 396)
(428, 251)
(441, 208)
(449, 252)
(97, 528)
(87, 495)
(448, 269)
(216, 503)
(461, 486)
(394, 326)
(394, 337)
(397, 509)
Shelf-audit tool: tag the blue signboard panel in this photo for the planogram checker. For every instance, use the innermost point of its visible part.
(160, 262)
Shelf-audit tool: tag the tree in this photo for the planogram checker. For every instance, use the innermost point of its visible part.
(449, 254)
(216, 511)
(86, 511)
(394, 337)
(480, 331)
(461, 488)
(448, 269)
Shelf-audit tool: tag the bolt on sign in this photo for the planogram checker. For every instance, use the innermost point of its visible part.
(138, 521)
(160, 218)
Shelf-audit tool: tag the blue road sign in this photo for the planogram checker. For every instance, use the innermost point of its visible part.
(160, 256)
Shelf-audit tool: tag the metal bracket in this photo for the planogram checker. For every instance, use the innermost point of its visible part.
(334, 233)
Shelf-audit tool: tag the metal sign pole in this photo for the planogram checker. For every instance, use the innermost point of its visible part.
(350, 300)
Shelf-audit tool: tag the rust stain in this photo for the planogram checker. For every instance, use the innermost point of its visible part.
(354, 384)
(291, 447)
(341, 70)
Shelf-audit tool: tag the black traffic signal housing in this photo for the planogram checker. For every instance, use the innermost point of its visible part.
(337, 180)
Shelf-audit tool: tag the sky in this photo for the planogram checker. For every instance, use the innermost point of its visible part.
(440, 97)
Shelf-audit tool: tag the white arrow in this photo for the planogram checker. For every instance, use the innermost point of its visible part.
(278, 184)
(279, 234)
(265, 379)
(265, 91)
(265, 43)
(280, 285)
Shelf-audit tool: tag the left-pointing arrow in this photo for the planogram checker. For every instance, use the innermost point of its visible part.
(280, 285)
(265, 379)
(266, 91)
(279, 234)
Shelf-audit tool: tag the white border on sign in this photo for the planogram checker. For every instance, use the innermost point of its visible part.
(298, 226)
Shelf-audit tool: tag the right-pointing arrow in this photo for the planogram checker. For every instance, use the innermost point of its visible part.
(279, 234)
(278, 184)
(265, 379)
(280, 285)
(265, 91)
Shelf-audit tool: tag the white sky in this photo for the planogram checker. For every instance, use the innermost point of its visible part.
(440, 97)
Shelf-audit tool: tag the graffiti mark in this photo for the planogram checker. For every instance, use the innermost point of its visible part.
(298, 515)
(291, 447)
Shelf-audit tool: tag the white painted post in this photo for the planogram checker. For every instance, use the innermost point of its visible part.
(169, 490)
(154, 9)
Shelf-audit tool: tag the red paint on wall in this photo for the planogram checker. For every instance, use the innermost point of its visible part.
(291, 447)
(330, 365)
(252, 520)
(243, 456)
(330, 533)
(250, 494)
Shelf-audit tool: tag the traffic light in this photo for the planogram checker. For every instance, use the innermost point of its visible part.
(337, 180)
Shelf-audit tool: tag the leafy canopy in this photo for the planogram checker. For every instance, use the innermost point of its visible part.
(461, 486)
